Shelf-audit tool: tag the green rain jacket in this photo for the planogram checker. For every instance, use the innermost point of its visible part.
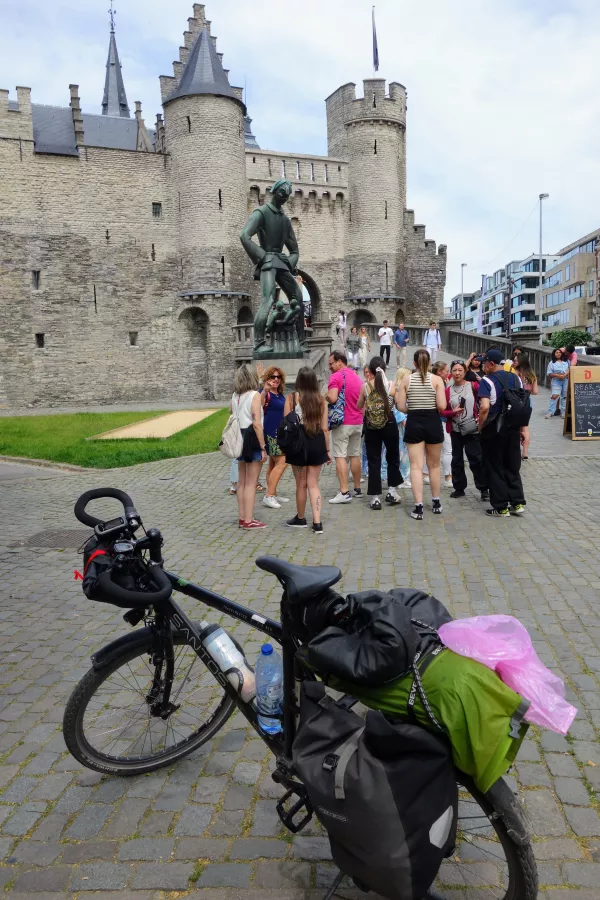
(482, 717)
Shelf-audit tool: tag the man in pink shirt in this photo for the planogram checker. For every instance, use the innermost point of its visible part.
(346, 438)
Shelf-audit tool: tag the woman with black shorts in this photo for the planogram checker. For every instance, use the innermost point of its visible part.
(310, 406)
(423, 397)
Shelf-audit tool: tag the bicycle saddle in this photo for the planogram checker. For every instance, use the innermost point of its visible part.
(302, 583)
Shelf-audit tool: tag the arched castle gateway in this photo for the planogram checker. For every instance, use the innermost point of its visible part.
(121, 269)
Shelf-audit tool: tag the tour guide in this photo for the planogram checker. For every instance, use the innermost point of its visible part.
(273, 267)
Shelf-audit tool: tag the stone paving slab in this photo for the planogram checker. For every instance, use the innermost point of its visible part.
(159, 427)
(207, 828)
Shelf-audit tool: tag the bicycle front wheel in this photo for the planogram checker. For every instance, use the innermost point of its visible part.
(488, 861)
(109, 724)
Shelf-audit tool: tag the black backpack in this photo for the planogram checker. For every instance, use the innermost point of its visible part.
(516, 405)
(384, 791)
(291, 436)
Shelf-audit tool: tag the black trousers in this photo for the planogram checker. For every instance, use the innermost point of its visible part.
(374, 440)
(471, 445)
(502, 464)
(384, 352)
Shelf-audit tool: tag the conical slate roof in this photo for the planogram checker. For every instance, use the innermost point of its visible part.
(250, 140)
(203, 72)
(114, 102)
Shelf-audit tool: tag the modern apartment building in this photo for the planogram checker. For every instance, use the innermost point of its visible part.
(506, 303)
(568, 297)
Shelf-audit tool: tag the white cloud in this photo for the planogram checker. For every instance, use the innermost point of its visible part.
(502, 95)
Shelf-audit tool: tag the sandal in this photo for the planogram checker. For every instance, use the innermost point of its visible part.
(233, 490)
(260, 488)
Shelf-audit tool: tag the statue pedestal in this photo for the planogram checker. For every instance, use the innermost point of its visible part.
(291, 367)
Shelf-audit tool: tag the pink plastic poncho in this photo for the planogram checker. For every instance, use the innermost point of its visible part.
(503, 644)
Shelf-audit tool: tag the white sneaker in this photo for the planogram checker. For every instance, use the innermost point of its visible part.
(406, 484)
(342, 498)
(271, 502)
(447, 484)
(282, 499)
(425, 479)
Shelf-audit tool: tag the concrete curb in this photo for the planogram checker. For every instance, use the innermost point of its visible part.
(46, 464)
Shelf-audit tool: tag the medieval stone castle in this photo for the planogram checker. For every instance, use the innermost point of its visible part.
(121, 269)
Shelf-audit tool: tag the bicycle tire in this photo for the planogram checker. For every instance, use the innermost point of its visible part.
(501, 808)
(78, 702)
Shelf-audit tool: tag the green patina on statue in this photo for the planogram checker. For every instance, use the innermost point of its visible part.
(278, 330)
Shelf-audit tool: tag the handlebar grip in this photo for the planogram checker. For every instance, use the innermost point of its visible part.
(95, 494)
(132, 599)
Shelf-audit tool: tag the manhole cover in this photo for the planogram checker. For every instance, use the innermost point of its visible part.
(56, 538)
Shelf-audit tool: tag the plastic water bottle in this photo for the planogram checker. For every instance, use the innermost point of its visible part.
(269, 689)
(229, 659)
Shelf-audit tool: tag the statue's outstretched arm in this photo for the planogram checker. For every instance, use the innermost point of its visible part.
(254, 251)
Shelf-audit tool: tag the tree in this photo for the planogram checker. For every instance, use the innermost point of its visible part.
(575, 336)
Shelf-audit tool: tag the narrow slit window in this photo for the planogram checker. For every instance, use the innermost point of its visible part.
(153, 253)
(222, 270)
(350, 211)
(283, 168)
(297, 171)
(386, 277)
(269, 165)
(339, 168)
(312, 171)
(326, 175)
(133, 338)
(350, 274)
(386, 209)
(253, 159)
(157, 210)
(375, 148)
(374, 101)
(189, 123)
(220, 199)
(35, 279)
(40, 340)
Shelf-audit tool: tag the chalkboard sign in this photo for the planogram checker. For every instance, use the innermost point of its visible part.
(587, 409)
(582, 416)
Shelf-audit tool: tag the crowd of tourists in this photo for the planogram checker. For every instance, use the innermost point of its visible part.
(414, 430)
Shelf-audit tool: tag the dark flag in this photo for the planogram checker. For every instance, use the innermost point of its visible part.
(375, 48)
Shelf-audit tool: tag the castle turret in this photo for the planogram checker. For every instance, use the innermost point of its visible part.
(204, 135)
(370, 133)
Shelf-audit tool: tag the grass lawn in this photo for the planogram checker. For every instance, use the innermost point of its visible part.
(62, 438)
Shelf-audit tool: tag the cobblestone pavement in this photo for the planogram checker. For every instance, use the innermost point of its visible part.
(207, 827)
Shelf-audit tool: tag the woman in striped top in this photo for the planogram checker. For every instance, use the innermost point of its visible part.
(423, 397)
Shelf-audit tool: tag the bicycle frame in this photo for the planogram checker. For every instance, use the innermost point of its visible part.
(280, 745)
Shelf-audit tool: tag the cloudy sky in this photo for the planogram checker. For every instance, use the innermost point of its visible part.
(504, 95)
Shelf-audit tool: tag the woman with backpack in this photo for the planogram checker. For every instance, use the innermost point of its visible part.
(381, 429)
(309, 405)
(530, 383)
(246, 406)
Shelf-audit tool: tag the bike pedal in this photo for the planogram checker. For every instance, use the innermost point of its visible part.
(287, 815)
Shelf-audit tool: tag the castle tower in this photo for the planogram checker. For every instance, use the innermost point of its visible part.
(204, 135)
(114, 101)
(369, 132)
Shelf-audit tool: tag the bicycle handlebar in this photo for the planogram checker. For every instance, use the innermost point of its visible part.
(95, 494)
(138, 598)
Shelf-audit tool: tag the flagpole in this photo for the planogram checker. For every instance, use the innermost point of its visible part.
(375, 47)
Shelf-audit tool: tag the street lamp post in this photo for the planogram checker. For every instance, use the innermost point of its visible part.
(542, 197)
(462, 295)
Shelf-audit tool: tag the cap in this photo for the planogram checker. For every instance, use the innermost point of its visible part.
(494, 356)
(266, 649)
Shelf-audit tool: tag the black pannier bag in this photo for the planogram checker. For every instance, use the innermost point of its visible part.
(384, 791)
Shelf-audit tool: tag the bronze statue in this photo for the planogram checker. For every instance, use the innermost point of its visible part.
(273, 268)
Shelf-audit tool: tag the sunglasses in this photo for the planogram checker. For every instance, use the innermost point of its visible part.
(275, 378)
(457, 362)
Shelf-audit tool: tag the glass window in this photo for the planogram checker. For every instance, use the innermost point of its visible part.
(567, 273)
(591, 288)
